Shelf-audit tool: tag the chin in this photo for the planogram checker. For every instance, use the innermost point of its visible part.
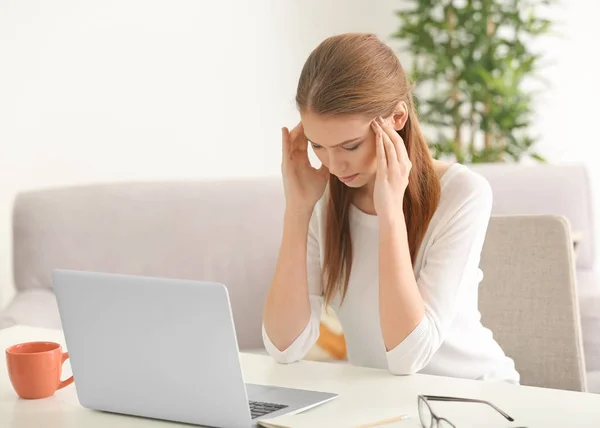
(355, 183)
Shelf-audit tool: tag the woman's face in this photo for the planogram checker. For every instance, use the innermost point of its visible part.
(344, 144)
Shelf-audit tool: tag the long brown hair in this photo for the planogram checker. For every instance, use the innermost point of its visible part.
(357, 74)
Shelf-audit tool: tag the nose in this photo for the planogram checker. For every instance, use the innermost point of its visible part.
(337, 165)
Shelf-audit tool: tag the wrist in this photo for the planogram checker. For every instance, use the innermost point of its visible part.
(391, 216)
(391, 222)
(297, 214)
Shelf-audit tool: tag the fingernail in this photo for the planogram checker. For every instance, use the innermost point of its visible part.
(380, 119)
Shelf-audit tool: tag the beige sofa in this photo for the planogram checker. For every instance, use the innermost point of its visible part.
(563, 190)
(228, 231)
(223, 231)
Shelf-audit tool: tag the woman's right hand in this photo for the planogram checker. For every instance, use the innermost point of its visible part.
(303, 184)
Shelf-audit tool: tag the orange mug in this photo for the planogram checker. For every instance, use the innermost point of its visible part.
(34, 368)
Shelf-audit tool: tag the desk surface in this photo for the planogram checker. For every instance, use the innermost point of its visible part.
(360, 389)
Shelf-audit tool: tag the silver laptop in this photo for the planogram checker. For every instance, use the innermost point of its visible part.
(163, 348)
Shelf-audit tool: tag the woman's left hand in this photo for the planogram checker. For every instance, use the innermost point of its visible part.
(393, 169)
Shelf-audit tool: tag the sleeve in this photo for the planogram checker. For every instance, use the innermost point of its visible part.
(451, 266)
(305, 340)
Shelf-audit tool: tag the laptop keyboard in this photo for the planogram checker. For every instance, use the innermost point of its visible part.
(258, 408)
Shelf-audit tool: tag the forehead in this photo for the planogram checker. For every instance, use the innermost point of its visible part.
(332, 130)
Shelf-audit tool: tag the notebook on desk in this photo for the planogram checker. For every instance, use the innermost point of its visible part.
(356, 418)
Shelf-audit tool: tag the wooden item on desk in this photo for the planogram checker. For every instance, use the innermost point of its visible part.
(331, 344)
(289, 422)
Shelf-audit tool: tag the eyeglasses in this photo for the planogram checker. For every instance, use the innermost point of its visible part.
(431, 420)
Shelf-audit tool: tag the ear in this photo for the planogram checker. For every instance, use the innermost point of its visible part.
(400, 116)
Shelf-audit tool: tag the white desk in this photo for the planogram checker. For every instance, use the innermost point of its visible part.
(359, 388)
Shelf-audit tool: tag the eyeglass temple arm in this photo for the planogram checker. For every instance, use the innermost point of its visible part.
(467, 400)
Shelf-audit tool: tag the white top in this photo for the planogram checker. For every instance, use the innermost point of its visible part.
(450, 340)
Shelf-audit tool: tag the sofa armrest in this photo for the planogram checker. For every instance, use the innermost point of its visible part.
(35, 307)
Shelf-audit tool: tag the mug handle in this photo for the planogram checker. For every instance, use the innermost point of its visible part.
(69, 381)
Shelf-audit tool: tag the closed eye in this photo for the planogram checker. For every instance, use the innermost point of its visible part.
(354, 147)
(349, 148)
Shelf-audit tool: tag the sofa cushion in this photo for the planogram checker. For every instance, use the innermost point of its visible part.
(560, 189)
(35, 308)
(227, 231)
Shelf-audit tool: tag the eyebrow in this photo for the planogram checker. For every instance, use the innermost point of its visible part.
(351, 140)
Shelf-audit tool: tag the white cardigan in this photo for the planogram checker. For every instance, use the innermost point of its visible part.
(450, 340)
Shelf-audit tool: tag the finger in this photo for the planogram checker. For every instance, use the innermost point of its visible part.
(379, 148)
(296, 129)
(402, 152)
(390, 136)
(285, 143)
(398, 142)
(390, 150)
(298, 139)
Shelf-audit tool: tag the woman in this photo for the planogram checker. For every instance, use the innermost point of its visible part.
(382, 232)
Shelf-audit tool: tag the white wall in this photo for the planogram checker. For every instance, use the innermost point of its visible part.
(105, 90)
(568, 111)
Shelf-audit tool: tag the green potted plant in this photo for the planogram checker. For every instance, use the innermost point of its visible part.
(471, 59)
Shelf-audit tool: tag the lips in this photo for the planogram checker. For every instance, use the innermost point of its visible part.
(348, 178)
